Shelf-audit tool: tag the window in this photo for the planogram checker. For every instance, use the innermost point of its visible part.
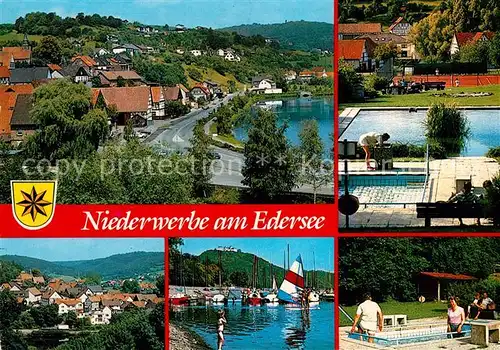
(404, 46)
(404, 53)
(154, 114)
(19, 133)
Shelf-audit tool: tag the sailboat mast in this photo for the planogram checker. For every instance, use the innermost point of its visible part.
(314, 272)
(220, 275)
(270, 275)
(288, 247)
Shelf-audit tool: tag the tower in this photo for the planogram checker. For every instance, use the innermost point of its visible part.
(26, 42)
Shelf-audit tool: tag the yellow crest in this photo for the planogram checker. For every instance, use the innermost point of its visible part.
(33, 202)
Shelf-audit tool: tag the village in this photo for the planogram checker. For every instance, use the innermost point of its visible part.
(114, 82)
(92, 304)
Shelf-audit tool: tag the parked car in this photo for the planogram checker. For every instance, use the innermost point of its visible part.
(214, 155)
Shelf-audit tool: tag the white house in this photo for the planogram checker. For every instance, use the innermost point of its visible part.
(66, 305)
(101, 316)
(33, 296)
(466, 38)
(232, 56)
(221, 52)
(180, 51)
(196, 53)
(400, 27)
(51, 296)
(264, 85)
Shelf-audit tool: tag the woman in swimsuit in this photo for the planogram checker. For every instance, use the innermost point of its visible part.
(220, 329)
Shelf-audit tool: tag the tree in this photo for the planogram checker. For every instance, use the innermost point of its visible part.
(494, 50)
(10, 309)
(71, 319)
(201, 161)
(238, 278)
(195, 74)
(121, 82)
(475, 53)
(446, 126)
(223, 120)
(384, 52)
(269, 169)
(93, 278)
(48, 51)
(232, 86)
(96, 82)
(68, 126)
(314, 171)
(128, 131)
(350, 83)
(175, 109)
(46, 315)
(130, 287)
(432, 35)
(9, 271)
(160, 285)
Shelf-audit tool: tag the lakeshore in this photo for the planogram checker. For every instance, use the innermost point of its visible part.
(181, 338)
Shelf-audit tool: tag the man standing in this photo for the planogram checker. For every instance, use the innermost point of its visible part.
(370, 139)
(370, 318)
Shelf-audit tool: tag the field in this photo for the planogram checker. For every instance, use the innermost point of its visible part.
(212, 75)
(425, 98)
(19, 37)
(414, 310)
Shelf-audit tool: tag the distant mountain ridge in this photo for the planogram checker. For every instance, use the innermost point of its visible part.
(243, 262)
(298, 35)
(115, 266)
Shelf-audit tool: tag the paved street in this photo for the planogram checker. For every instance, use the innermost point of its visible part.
(227, 169)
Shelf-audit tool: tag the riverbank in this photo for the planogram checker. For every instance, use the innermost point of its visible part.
(182, 338)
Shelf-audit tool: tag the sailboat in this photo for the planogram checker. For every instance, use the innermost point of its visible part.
(272, 297)
(293, 285)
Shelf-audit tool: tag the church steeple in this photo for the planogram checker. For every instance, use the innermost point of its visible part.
(26, 42)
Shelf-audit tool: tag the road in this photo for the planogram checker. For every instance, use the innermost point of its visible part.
(227, 169)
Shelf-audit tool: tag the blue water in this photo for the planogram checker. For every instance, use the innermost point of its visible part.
(408, 128)
(466, 331)
(263, 327)
(385, 180)
(294, 112)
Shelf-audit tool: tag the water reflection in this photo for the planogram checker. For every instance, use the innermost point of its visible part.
(262, 326)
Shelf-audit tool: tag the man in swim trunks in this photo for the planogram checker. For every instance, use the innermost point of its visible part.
(220, 329)
(370, 317)
(371, 139)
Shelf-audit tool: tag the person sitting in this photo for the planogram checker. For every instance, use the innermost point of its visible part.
(487, 303)
(371, 139)
(456, 318)
(475, 307)
(466, 197)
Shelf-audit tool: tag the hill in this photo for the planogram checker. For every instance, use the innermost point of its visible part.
(298, 35)
(243, 262)
(115, 266)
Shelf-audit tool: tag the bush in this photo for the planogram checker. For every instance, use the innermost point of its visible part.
(493, 152)
(447, 127)
(195, 74)
(376, 82)
(465, 291)
(492, 200)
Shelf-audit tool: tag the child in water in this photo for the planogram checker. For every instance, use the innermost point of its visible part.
(220, 329)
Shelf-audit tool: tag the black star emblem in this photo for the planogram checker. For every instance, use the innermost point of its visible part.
(34, 203)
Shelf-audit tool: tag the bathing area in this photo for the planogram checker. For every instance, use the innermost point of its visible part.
(388, 198)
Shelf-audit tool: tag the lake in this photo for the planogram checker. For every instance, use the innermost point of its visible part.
(296, 110)
(408, 127)
(261, 327)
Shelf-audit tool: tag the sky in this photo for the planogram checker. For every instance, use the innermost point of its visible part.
(271, 249)
(191, 13)
(62, 249)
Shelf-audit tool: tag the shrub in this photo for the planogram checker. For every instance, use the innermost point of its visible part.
(448, 127)
(376, 82)
(493, 152)
(465, 291)
(195, 74)
(492, 200)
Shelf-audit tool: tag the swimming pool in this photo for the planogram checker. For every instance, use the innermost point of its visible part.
(383, 189)
(421, 334)
(408, 127)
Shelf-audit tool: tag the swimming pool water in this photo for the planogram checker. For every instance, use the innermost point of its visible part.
(408, 127)
(411, 336)
(385, 188)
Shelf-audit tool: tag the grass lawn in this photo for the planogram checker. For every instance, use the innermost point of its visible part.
(414, 310)
(229, 139)
(19, 37)
(425, 98)
(212, 75)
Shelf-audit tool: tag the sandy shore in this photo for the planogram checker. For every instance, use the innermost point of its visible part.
(183, 339)
(449, 344)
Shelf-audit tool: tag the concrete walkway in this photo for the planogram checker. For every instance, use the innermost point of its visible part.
(442, 180)
(450, 344)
